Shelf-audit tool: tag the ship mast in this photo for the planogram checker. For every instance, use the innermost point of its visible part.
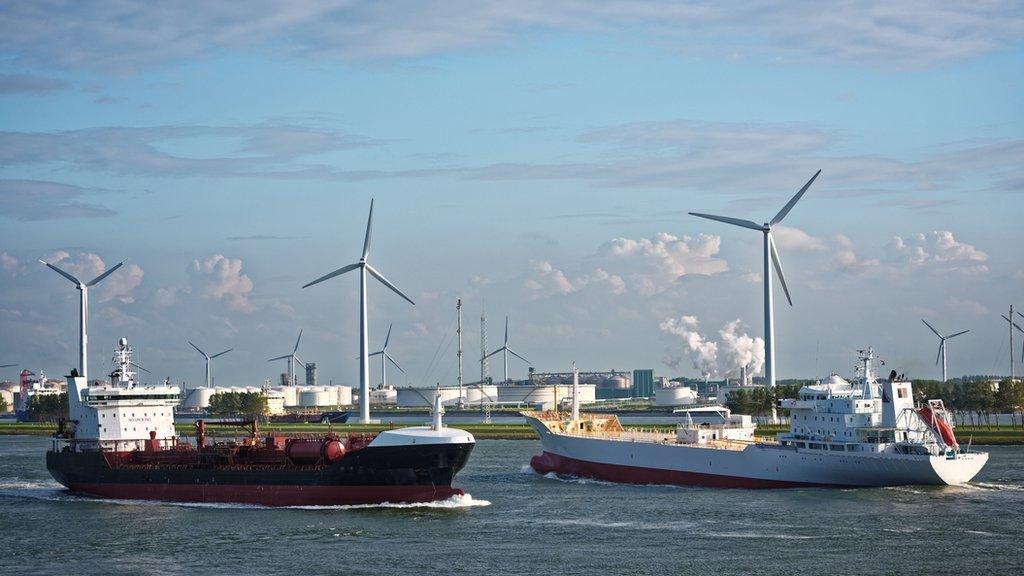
(458, 310)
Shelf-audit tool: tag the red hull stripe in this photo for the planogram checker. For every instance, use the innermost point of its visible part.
(548, 462)
(269, 495)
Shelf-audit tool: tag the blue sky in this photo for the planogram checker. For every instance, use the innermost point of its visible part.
(539, 157)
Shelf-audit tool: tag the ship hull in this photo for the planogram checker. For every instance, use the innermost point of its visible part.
(754, 466)
(373, 475)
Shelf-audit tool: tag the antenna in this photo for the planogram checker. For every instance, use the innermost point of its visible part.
(771, 260)
(483, 345)
(364, 268)
(458, 330)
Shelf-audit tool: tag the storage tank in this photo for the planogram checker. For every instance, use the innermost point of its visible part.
(616, 382)
(675, 396)
(8, 397)
(342, 395)
(307, 397)
(545, 395)
(384, 396)
(477, 394)
(290, 394)
(198, 398)
(424, 397)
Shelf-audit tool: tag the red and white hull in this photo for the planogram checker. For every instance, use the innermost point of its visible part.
(626, 459)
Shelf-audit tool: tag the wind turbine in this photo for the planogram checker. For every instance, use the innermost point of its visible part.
(506, 351)
(770, 255)
(384, 358)
(942, 346)
(292, 359)
(208, 358)
(364, 360)
(83, 309)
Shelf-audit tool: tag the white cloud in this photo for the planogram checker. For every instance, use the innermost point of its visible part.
(938, 250)
(164, 297)
(547, 280)
(86, 266)
(221, 278)
(653, 265)
(796, 239)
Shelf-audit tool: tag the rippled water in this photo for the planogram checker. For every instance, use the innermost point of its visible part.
(516, 522)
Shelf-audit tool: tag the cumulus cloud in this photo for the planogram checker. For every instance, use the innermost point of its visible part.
(938, 250)
(733, 350)
(547, 280)
(653, 264)
(221, 278)
(85, 266)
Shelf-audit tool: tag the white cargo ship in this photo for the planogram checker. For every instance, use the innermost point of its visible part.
(867, 432)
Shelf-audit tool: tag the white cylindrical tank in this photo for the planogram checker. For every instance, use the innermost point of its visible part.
(289, 393)
(307, 397)
(342, 395)
(547, 395)
(675, 396)
(198, 398)
(477, 394)
(385, 396)
(8, 397)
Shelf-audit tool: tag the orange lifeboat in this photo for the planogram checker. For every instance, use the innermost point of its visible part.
(939, 425)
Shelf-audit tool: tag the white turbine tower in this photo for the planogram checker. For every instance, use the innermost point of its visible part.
(771, 258)
(83, 316)
(942, 346)
(292, 360)
(506, 351)
(208, 357)
(364, 360)
(385, 358)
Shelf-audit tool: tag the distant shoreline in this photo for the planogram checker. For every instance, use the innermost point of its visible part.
(977, 435)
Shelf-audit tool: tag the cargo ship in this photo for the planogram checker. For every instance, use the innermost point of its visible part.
(859, 433)
(119, 442)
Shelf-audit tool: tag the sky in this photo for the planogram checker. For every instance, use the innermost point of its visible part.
(536, 159)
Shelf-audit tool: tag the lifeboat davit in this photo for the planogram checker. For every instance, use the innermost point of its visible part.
(939, 425)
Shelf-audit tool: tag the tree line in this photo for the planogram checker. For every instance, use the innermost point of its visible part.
(246, 404)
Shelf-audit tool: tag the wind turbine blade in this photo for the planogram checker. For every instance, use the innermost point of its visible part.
(297, 340)
(931, 327)
(493, 353)
(517, 355)
(1012, 322)
(299, 362)
(7, 365)
(506, 330)
(337, 272)
(728, 220)
(221, 353)
(388, 337)
(388, 356)
(957, 334)
(778, 268)
(373, 272)
(100, 278)
(377, 353)
(280, 358)
(196, 347)
(1019, 314)
(938, 356)
(76, 281)
(369, 229)
(789, 205)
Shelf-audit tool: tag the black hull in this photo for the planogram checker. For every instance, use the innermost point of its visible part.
(371, 475)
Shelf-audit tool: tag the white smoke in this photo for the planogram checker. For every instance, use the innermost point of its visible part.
(715, 359)
(703, 354)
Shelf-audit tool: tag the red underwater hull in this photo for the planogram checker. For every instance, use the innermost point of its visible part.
(548, 462)
(269, 495)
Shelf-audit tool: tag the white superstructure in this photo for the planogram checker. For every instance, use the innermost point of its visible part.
(121, 414)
